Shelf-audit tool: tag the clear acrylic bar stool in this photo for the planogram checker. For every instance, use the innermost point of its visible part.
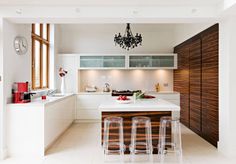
(172, 124)
(113, 137)
(141, 137)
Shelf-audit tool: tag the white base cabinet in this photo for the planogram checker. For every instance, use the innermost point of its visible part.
(173, 97)
(33, 127)
(87, 105)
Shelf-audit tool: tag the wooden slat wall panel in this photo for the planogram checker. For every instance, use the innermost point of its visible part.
(210, 125)
(195, 86)
(181, 82)
(127, 119)
(197, 81)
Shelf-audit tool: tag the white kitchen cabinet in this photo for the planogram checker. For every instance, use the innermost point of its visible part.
(173, 97)
(126, 61)
(101, 62)
(57, 117)
(88, 103)
(33, 127)
(153, 61)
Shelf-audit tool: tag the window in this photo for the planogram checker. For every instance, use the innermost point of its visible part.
(40, 56)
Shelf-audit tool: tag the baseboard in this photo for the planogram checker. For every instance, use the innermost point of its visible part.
(3, 154)
(87, 121)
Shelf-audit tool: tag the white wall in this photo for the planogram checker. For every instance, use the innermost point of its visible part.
(127, 79)
(186, 31)
(227, 89)
(2, 111)
(98, 38)
(17, 68)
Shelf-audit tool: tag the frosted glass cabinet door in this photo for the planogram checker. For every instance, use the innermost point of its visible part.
(140, 61)
(91, 61)
(102, 61)
(151, 61)
(162, 61)
(114, 61)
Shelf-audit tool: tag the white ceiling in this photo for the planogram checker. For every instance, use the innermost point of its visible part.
(110, 2)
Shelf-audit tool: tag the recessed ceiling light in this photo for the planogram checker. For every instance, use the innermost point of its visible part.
(18, 11)
(194, 10)
(135, 11)
(77, 10)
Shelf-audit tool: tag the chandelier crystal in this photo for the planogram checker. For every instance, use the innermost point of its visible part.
(128, 41)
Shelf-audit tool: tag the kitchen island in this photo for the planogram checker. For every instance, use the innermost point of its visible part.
(152, 108)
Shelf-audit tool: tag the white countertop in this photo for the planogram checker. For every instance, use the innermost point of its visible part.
(94, 93)
(39, 101)
(109, 93)
(140, 105)
(162, 92)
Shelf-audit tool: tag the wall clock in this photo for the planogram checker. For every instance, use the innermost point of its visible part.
(20, 45)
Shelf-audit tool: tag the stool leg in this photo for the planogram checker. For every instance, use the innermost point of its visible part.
(121, 142)
(180, 141)
(133, 139)
(162, 136)
(106, 137)
(149, 141)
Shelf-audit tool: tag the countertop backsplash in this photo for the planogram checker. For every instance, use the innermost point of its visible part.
(127, 79)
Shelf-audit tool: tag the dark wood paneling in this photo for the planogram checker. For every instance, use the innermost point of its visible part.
(181, 82)
(210, 125)
(195, 86)
(127, 122)
(197, 81)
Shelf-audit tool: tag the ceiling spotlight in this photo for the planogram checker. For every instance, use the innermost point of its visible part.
(77, 10)
(194, 10)
(18, 11)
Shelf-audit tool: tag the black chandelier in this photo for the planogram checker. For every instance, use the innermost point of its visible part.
(128, 41)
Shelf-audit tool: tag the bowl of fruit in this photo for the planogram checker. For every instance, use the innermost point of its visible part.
(123, 100)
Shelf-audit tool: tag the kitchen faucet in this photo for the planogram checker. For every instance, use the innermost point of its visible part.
(51, 92)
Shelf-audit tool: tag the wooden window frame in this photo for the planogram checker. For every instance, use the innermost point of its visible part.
(42, 42)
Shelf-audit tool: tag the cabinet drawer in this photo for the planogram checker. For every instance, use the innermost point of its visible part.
(167, 96)
(88, 114)
(90, 101)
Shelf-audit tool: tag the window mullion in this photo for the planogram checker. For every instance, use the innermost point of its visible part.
(41, 57)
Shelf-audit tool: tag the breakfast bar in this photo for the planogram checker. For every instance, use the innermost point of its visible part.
(152, 108)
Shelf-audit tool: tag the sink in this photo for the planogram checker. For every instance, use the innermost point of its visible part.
(57, 95)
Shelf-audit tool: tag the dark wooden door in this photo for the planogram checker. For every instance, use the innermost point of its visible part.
(210, 125)
(195, 85)
(181, 82)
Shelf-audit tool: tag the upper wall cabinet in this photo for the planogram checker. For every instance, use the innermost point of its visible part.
(121, 61)
(102, 62)
(159, 61)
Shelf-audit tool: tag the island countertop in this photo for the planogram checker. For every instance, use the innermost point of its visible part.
(155, 104)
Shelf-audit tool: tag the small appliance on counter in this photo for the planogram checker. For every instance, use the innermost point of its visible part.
(123, 92)
(106, 88)
(90, 88)
(21, 93)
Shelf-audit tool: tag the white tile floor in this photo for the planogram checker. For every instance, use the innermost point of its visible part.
(80, 144)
